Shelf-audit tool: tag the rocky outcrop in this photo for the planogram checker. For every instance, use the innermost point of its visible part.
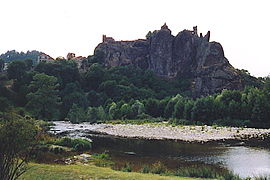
(185, 55)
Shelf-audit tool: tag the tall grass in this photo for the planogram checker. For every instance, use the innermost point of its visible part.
(206, 172)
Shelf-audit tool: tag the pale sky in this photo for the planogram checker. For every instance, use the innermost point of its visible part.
(57, 27)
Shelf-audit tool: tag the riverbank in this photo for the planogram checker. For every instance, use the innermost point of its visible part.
(183, 133)
(164, 131)
(79, 172)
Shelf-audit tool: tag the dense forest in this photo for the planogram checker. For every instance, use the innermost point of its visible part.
(59, 91)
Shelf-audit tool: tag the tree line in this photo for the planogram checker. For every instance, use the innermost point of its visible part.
(58, 91)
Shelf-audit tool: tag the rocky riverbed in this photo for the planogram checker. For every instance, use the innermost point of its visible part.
(163, 131)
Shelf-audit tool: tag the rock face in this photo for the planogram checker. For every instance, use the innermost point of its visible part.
(185, 55)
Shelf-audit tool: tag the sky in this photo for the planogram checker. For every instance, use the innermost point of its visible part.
(57, 27)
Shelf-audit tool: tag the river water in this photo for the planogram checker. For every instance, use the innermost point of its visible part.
(244, 159)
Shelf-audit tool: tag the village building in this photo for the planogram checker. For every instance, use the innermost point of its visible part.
(78, 60)
(44, 58)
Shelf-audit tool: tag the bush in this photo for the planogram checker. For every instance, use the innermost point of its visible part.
(127, 168)
(101, 156)
(102, 160)
(145, 169)
(158, 168)
(76, 144)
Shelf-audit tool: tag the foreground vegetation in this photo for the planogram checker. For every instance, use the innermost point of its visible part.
(64, 172)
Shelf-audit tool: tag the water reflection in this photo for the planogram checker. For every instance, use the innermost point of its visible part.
(242, 160)
(247, 161)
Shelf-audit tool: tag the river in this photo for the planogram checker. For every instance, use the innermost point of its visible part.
(242, 158)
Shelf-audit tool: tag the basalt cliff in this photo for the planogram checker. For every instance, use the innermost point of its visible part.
(186, 55)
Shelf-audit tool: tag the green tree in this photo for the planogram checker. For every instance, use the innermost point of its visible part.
(126, 111)
(43, 100)
(65, 71)
(137, 108)
(76, 114)
(17, 138)
(92, 114)
(188, 109)
(168, 112)
(152, 107)
(179, 108)
(17, 70)
(203, 110)
(114, 110)
(4, 104)
(228, 95)
(96, 99)
(72, 94)
(101, 114)
(29, 64)
(93, 77)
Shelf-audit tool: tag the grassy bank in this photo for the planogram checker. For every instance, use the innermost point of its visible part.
(84, 172)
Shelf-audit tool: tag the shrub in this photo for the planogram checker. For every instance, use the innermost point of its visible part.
(145, 169)
(76, 144)
(127, 168)
(158, 168)
(102, 160)
(101, 156)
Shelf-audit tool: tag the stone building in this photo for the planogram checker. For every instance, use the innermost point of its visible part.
(44, 58)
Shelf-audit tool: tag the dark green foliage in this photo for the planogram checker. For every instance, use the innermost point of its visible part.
(158, 168)
(169, 109)
(96, 113)
(104, 156)
(152, 107)
(203, 110)
(43, 99)
(127, 92)
(145, 169)
(17, 70)
(72, 94)
(137, 109)
(93, 77)
(4, 104)
(179, 108)
(17, 138)
(266, 81)
(65, 71)
(127, 167)
(76, 114)
(76, 144)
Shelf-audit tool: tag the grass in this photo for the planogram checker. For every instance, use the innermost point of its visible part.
(85, 172)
